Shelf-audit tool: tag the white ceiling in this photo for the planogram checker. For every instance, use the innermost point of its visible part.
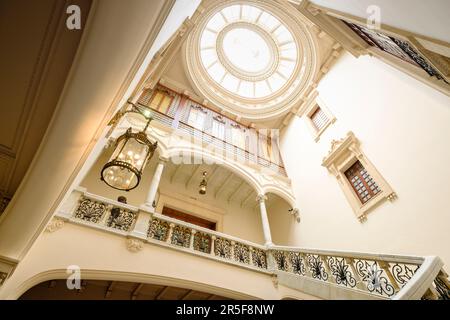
(36, 56)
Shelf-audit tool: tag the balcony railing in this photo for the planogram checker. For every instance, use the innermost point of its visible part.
(374, 275)
(230, 150)
(176, 117)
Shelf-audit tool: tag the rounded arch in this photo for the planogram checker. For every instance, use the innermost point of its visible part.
(108, 275)
(209, 158)
(283, 194)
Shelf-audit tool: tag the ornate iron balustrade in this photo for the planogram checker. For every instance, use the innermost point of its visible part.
(97, 210)
(230, 149)
(383, 276)
(206, 242)
(380, 276)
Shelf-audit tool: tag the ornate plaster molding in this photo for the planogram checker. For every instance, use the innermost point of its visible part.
(342, 155)
(54, 225)
(135, 245)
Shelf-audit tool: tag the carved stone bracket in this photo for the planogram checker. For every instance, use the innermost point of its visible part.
(135, 245)
(54, 225)
(296, 213)
(3, 277)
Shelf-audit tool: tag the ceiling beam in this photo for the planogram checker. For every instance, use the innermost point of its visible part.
(136, 291)
(161, 293)
(213, 174)
(194, 173)
(174, 174)
(235, 192)
(110, 288)
(223, 185)
(249, 195)
(186, 295)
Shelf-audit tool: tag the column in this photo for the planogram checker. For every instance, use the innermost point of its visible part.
(264, 219)
(155, 183)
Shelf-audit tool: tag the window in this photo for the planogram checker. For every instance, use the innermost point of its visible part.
(197, 118)
(317, 116)
(319, 119)
(362, 184)
(161, 101)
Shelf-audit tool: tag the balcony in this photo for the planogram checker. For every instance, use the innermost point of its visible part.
(179, 112)
(323, 274)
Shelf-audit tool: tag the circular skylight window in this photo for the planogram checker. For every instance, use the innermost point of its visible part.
(248, 51)
(253, 58)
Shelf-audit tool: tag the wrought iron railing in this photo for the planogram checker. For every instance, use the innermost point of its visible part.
(230, 150)
(380, 276)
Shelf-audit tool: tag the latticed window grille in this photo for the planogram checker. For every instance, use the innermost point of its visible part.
(319, 119)
(362, 183)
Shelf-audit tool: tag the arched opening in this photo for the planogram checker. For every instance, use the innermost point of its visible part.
(283, 225)
(57, 289)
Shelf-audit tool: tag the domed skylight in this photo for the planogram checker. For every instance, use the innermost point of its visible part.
(248, 51)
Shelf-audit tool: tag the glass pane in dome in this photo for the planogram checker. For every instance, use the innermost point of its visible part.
(246, 89)
(276, 81)
(290, 53)
(230, 83)
(286, 67)
(268, 21)
(250, 13)
(217, 22)
(217, 71)
(282, 34)
(232, 12)
(261, 89)
(208, 57)
(287, 45)
(208, 39)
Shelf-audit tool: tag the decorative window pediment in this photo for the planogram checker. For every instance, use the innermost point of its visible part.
(364, 187)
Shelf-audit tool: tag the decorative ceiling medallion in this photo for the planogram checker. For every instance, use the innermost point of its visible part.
(252, 58)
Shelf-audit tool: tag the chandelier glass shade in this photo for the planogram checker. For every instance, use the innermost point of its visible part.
(124, 169)
(203, 184)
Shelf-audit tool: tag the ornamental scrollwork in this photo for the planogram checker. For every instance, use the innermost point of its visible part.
(374, 277)
(123, 221)
(259, 258)
(297, 263)
(442, 287)
(241, 253)
(202, 242)
(90, 210)
(281, 260)
(158, 230)
(402, 273)
(316, 267)
(341, 272)
(181, 236)
(222, 248)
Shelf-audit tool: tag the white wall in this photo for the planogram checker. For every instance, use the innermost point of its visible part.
(404, 129)
(428, 18)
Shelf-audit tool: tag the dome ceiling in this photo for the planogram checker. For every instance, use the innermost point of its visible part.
(250, 58)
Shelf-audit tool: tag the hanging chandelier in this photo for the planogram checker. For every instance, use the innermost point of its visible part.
(132, 151)
(203, 184)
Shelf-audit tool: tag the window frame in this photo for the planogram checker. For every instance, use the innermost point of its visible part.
(311, 105)
(343, 155)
